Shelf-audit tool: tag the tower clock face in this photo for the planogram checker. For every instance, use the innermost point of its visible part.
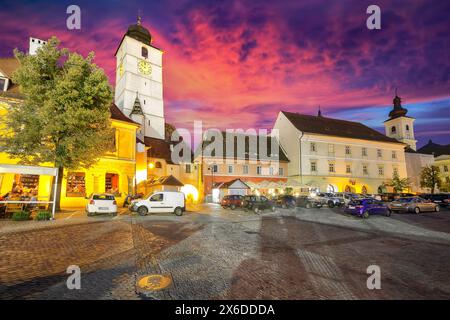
(144, 67)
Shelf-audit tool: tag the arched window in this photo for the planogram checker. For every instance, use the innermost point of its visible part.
(158, 165)
(364, 190)
(144, 52)
(407, 127)
(393, 129)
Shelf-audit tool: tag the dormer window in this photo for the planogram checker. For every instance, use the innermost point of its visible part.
(144, 52)
(394, 129)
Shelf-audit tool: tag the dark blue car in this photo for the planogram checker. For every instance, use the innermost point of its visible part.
(367, 207)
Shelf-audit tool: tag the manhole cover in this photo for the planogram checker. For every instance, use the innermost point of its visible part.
(154, 282)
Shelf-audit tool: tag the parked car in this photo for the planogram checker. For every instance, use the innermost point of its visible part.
(442, 199)
(285, 201)
(367, 207)
(330, 200)
(346, 197)
(160, 202)
(257, 204)
(308, 202)
(231, 201)
(413, 204)
(101, 203)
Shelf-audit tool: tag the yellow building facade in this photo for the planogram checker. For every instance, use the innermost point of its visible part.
(113, 173)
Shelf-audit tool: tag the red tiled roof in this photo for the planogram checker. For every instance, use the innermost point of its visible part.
(8, 66)
(335, 127)
(166, 181)
(158, 148)
(435, 149)
(117, 114)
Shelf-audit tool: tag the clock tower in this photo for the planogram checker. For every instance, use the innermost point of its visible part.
(399, 126)
(139, 79)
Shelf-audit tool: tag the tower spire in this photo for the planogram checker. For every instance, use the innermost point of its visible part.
(319, 113)
(139, 17)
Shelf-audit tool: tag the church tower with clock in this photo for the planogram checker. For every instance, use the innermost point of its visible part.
(139, 89)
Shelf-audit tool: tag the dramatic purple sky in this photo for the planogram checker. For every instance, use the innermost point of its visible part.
(237, 63)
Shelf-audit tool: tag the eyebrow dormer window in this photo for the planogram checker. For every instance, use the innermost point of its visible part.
(144, 52)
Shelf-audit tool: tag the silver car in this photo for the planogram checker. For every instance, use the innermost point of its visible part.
(413, 204)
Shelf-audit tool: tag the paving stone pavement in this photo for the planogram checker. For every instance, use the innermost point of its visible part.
(223, 254)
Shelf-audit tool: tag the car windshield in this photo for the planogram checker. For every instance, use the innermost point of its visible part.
(406, 200)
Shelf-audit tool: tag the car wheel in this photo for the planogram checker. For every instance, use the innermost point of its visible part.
(366, 215)
(233, 206)
(417, 210)
(256, 210)
(308, 205)
(178, 211)
(388, 213)
(437, 208)
(330, 204)
(142, 210)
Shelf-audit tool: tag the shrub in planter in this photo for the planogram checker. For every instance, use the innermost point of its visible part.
(43, 215)
(21, 216)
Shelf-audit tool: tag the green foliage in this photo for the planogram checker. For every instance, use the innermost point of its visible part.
(398, 183)
(21, 216)
(288, 190)
(429, 178)
(65, 118)
(43, 215)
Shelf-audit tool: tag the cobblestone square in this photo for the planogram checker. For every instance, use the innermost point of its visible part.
(214, 253)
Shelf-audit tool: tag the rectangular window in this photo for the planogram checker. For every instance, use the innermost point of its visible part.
(271, 171)
(379, 153)
(348, 168)
(445, 168)
(281, 171)
(258, 170)
(2, 85)
(245, 169)
(394, 155)
(188, 168)
(76, 184)
(230, 169)
(348, 151)
(313, 166)
(395, 171)
(313, 147)
(330, 148)
(364, 152)
(380, 170)
(331, 167)
(215, 168)
(365, 170)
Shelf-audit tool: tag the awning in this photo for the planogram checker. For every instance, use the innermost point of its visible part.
(41, 171)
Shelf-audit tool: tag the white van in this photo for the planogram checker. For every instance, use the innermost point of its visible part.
(159, 202)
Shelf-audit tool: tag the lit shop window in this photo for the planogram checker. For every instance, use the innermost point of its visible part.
(76, 186)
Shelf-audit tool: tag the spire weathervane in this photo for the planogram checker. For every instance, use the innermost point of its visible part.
(319, 113)
(139, 17)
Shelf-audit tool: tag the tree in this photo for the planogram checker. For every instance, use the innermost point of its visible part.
(64, 118)
(429, 178)
(398, 183)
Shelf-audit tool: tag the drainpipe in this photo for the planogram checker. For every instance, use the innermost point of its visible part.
(300, 171)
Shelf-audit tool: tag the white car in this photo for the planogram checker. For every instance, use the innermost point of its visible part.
(159, 202)
(101, 203)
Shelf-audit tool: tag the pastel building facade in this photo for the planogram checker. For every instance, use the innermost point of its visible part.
(332, 155)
